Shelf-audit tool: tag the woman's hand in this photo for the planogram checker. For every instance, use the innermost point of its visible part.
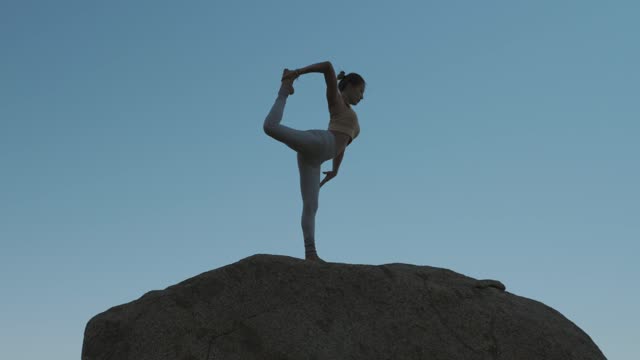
(290, 74)
(329, 175)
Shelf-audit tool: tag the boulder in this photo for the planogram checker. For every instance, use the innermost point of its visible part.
(272, 307)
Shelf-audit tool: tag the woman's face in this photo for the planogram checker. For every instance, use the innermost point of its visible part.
(355, 93)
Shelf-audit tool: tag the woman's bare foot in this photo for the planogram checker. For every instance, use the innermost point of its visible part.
(287, 81)
(314, 257)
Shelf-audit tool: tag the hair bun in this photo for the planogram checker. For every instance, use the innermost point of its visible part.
(341, 75)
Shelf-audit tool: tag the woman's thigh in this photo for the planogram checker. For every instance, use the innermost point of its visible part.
(324, 146)
(306, 142)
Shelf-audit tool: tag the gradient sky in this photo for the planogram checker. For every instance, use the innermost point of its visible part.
(499, 139)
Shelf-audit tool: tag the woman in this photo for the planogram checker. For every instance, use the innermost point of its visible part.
(317, 146)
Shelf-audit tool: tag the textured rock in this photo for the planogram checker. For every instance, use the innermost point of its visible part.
(279, 307)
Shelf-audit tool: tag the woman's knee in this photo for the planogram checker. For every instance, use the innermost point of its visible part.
(273, 132)
(310, 207)
(268, 129)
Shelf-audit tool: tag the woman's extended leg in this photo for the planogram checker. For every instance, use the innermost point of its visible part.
(310, 189)
(298, 140)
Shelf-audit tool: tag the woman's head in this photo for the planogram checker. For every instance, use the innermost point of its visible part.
(352, 87)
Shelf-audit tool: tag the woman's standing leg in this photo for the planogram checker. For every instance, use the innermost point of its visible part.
(310, 189)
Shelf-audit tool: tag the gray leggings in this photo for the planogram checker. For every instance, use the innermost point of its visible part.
(313, 147)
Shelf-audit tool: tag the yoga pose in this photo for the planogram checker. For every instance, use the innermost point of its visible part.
(317, 146)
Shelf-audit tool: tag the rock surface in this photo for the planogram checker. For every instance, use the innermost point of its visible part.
(272, 307)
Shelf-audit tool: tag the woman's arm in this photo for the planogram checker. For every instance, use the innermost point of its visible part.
(337, 160)
(333, 173)
(320, 67)
(326, 68)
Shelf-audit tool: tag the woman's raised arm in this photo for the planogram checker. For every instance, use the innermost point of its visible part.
(326, 68)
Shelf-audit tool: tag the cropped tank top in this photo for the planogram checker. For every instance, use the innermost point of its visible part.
(345, 122)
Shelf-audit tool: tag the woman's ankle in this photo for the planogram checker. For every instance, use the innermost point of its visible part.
(284, 91)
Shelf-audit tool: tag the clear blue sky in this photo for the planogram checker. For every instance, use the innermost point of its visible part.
(499, 139)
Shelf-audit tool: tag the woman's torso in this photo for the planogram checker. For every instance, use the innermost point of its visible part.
(342, 139)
